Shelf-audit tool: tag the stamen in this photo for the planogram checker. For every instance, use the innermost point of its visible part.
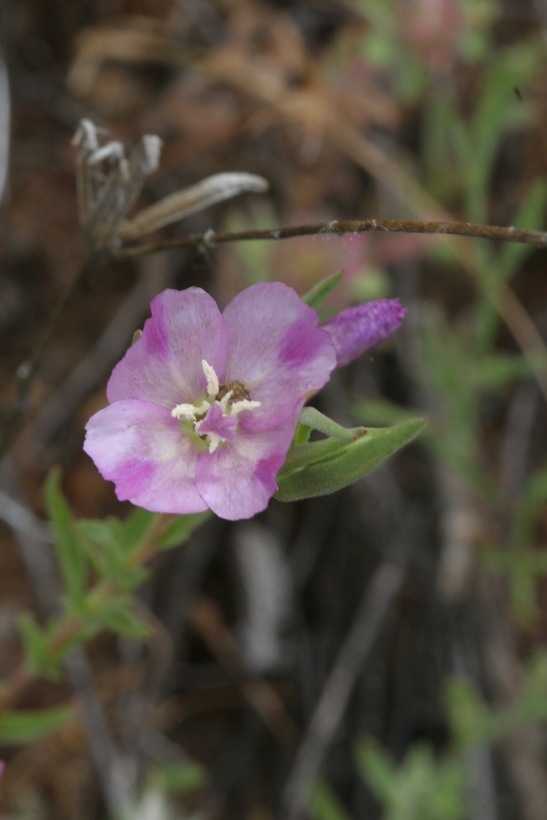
(212, 378)
(245, 404)
(214, 419)
(225, 399)
(190, 411)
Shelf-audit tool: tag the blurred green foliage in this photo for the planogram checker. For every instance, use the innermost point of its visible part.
(427, 785)
(460, 370)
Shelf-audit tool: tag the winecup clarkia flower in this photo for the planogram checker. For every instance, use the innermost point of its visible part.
(204, 406)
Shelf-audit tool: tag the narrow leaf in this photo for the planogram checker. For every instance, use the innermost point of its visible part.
(137, 525)
(34, 641)
(26, 727)
(104, 541)
(317, 295)
(325, 805)
(377, 769)
(70, 552)
(180, 529)
(124, 623)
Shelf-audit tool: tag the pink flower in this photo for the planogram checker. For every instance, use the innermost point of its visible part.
(204, 406)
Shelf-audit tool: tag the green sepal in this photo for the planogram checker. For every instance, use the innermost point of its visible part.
(323, 467)
(312, 419)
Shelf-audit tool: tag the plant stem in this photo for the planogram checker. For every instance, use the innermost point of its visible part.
(27, 371)
(340, 227)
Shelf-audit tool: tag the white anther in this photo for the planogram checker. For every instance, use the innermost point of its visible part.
(190, 411)
(225, 399)
(244, 404)
(185, 411)
(213, 385)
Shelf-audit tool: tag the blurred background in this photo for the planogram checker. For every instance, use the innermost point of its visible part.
(378, 653)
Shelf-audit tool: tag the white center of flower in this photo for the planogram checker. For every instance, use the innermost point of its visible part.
(219, 425)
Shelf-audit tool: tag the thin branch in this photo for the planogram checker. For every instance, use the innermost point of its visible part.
(373, 610)
(341, 227)
(509, 308)
(28, 370)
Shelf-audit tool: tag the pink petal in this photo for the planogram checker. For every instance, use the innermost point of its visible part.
(358, 328)
(164, 364)
(144, 451)
(277, 348)
(238, 480)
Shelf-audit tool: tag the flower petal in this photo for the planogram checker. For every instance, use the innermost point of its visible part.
(164, 365)
(358, 328)
(238, 480)
(277, 348)
(145, 452)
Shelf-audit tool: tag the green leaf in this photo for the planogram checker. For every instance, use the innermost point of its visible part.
(137, 525)
(180, 529)
(530, 214)
(105, 544)
(496, 370)
(532, 704)
(72, 555)
(317, 295)
(124, 623)
(37, 642)
(112, 540)
(26, 727)
(179, 778)
(34, 641)
(471, 720)
(422, 787)
(324, 805)
(323, 467)
(533, 497)
(377, 769)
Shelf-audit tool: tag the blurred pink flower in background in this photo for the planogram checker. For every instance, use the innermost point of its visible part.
(434, 28)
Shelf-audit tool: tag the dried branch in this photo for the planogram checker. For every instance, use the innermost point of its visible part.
(341, 227)
(360, 640)
(28, 370)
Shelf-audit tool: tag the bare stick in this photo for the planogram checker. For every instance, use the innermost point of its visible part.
(29, 369)
(366, 628)
(340, 227)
